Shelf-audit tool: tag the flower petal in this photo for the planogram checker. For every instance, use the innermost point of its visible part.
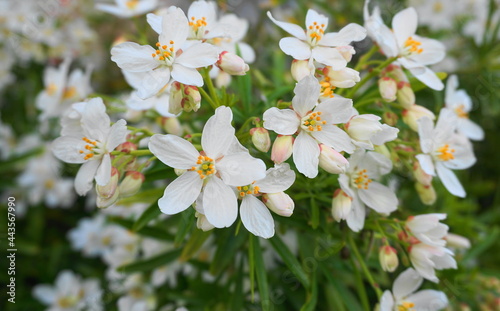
(470, 129)
(425, 132)
(386, 301)
(45, 293)
(85, 176)
(173, 151)
(293, 29)
(281, 121)
(240, 169)
(154, 21)
(329, 56)
(306, 95)
(134, 57)
(379, 197)
(181, 193)
(295, 48)
(218, 133)
(334, 137)
(198, 55)
(450, 181)
(68, 148)
(219, 203)
(427, 77)
(426, 163)
(306, 155)
(429, 300)
(406, 283)
(95, 121)
(278, 179)
(404, 25)
(433, 51)
(256, 217)
(356, 218)
(335, 110)
(185, 75)
(117, 135)
(103, 174)
(174, 27)
(349, 33)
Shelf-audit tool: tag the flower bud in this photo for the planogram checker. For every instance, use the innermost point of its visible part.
(382, 149)
(176, 97)
(395, 72)
(126, 147)
(346, 51)
(223, 79)
(344, 78)
(107, 191)
(363, 127)
(341, 205)
(192, 98)
(103, 202)
(261, 139)
(388, 88)
(388, 258)
(131, 183)
(232, 64)
(282, 148)
(280, 203)
(421, 176)
(457, 241)
(390, 118)
(301, 69)
(171, 125)
(405, 95)
(202, 222)
(332, 161)
(426, 193)
(415, 112)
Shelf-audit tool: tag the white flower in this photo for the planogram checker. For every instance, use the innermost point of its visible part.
(92, 146)
(359, 183)
(460, 103)
(314, 44)
(169, 60)
(128, 8)
(404, 297)
(210, 173)
(70, 293)
(366, 131)
(427, 228)
(427, 258)
(314, 122)
(414, 53)
(254, 214)
(444, 150)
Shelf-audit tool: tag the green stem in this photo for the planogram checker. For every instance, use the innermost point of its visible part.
(370, 75)
(365, 57)
(146, 163)
(210, 87)
(365, 269)
(361, 286)
(136, 153)
(208, 98)
(140, 130)
(247, 122)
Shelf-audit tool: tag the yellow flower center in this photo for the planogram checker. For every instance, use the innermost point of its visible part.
(327, 88)
(164, 52)
(132, 4)
(461, 113)
(250, 189)
(315, 32)
(406, 306)
(198, 26)
(413, 46)
(445, 153)
(69, 92)
(312, 122)
(205, 167)
(89, 148)
(66, 302)
(360, 180)
(49, 184)
(51, 89)
(437, 7)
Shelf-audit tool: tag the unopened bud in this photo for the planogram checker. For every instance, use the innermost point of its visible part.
(261, 139)
(282, 148)
(107, 191)
(171, 125)
(388, 88)
(202, 222)
(301, 69)
(280, 203)
(332, 161)
(341, 205)
(131, 183)
(176, 97)
(126, 147)
(346, 51)
(421, 176)
(405, 95)
(395, 72)
(390, 118)
(457, 241)
(106, 202)
(343, 78)
(192, 98)
(426, 193)
(415, 112)
(232, 64)
(183, 97)
(223, 79)
(388, 258)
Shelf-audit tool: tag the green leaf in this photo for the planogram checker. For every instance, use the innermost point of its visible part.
(482, 246)
(312, 296)
(151, 263)
(198, 237)
(226, 252)
(185, 225)
(260, 271)
(152, 212)
(290, 260)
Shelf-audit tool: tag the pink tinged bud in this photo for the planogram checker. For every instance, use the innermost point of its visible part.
(421, 176)
(192, 98)
(346, 51)
(457, 241)
(131, 183)
(261, 139)
(106, 202)
(301, 69)
(426, 193)
(126, 147)
(107, 191)
(282, 148)
(341, 205)
(332, 161)
(232, 64)
(388, 88)
(390, 118)
(280, 203)
(388, 258)
(172, 126)
(415, 112)
(395, 72)
(405, 95)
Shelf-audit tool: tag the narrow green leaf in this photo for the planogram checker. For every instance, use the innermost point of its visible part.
(152, 212)
(314, 214)
(482, 246)
(237, 298)
(312, 296)
(261, 273)
(151, 263)
(196, 240)
(185, 225)
(251, 266)
(226, 252)
(290, 260)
